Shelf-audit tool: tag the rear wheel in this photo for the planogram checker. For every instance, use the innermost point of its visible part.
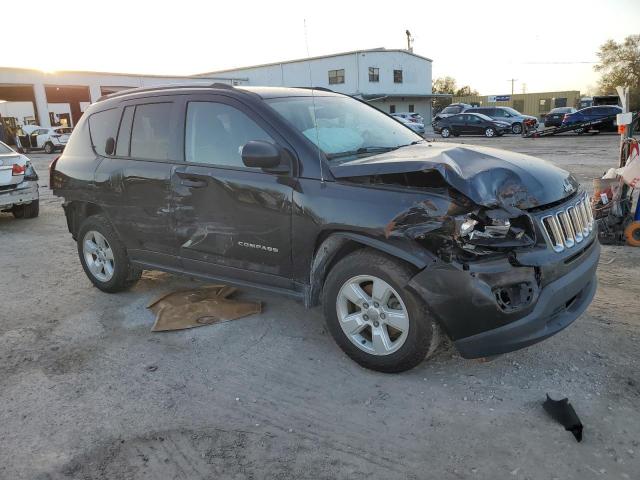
(490, 132)
(445, 132)
(516, 128)
(375, 320)
(28, 210)
(104, 257)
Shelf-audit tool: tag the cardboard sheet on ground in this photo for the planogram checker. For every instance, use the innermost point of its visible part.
(199, 306)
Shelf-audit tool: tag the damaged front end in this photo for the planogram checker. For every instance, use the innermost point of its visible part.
(494, 285)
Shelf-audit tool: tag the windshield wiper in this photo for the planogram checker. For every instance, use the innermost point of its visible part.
(361, 151)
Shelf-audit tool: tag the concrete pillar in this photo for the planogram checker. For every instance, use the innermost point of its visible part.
(94, 93)
(42, 106)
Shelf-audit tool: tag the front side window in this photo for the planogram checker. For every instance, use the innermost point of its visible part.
(150, 131)
(397, 76)
(374, 74)
(215, 134)
(103, 125)
(336, 76)
(342, 127)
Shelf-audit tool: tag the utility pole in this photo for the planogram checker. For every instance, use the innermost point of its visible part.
(513, 82)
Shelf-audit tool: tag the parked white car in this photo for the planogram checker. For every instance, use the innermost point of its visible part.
(18, 184)
(411, 116)
(415, 126)
(40, 138)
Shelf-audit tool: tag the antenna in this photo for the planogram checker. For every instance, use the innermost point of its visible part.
(409, 41)
(313, 101)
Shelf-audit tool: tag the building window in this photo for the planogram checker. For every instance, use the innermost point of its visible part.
(397, 76)
(411, 108)
(392, 109)
(374, 74)
(336, 76)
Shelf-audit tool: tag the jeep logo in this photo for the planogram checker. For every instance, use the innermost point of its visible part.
(258, 247)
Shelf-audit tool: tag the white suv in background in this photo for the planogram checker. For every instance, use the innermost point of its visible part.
(48, 139)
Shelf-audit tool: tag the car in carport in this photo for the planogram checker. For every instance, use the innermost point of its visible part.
(34, 137)
(470, 124)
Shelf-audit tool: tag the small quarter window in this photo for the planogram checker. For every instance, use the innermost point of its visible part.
(103, 125)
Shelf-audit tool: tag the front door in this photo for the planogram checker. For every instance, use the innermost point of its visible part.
(230, 219)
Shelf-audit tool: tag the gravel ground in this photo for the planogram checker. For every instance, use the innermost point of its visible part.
(88, 392)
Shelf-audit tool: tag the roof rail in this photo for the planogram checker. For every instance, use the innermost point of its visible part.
(129, 91)
(322, 89)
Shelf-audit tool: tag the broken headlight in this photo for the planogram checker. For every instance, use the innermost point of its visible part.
(494, 228)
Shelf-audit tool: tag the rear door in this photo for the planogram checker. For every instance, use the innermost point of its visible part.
(134, 183)
(231, 220)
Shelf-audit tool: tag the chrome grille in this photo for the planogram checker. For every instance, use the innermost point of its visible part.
(568, 226)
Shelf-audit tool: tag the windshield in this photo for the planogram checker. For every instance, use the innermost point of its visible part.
(483, 116)
(5, 149)
(342, 126)
(512, 111)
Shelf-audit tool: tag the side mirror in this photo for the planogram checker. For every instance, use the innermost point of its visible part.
(110, 146)
(261, 154)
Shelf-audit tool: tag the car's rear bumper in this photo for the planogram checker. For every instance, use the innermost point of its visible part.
(465, 304)
(25, 192)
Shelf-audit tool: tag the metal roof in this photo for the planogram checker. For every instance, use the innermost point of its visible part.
(352, 52)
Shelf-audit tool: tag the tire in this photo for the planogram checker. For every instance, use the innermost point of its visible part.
(516, 128)
(29, 210)
(400, 350)
(490, 132)
(49, 148)
(445, 132)
(580, 131)
(117, 273)
(632, 234)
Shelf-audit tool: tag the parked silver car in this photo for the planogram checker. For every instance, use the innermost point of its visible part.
(18, 184)
(505, 114)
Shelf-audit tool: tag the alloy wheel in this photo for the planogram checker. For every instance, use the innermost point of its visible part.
(372, 315)
(98, 256)
(445, 133)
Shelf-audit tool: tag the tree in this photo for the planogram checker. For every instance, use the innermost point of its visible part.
(620, 66)
(448, 85)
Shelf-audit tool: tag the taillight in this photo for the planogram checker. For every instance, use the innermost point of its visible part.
(17, 169)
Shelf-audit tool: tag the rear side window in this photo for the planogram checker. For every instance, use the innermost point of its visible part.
(103, 125)
(150, 131)
(215, 134)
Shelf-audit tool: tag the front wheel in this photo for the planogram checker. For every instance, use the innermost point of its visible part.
(104, 257)
(516, 128)
(445, 132)
(48, 147)
(376, 321)
(490, 132)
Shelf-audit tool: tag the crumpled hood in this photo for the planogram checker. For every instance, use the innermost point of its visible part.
(488, 176)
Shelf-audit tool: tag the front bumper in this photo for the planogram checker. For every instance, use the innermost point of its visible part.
(476, 323)
(25, 192)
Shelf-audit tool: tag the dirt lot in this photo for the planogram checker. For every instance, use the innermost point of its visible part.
(88, 392)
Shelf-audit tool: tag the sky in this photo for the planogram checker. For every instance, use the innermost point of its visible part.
(545, 45)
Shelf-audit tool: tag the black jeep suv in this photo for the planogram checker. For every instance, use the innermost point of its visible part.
(321, 197)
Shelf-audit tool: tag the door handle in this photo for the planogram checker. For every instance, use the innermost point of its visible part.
(193, 182)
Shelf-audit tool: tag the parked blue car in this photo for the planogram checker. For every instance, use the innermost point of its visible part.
(593, 113)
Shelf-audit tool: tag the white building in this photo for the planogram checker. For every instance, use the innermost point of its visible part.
(391, 80)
